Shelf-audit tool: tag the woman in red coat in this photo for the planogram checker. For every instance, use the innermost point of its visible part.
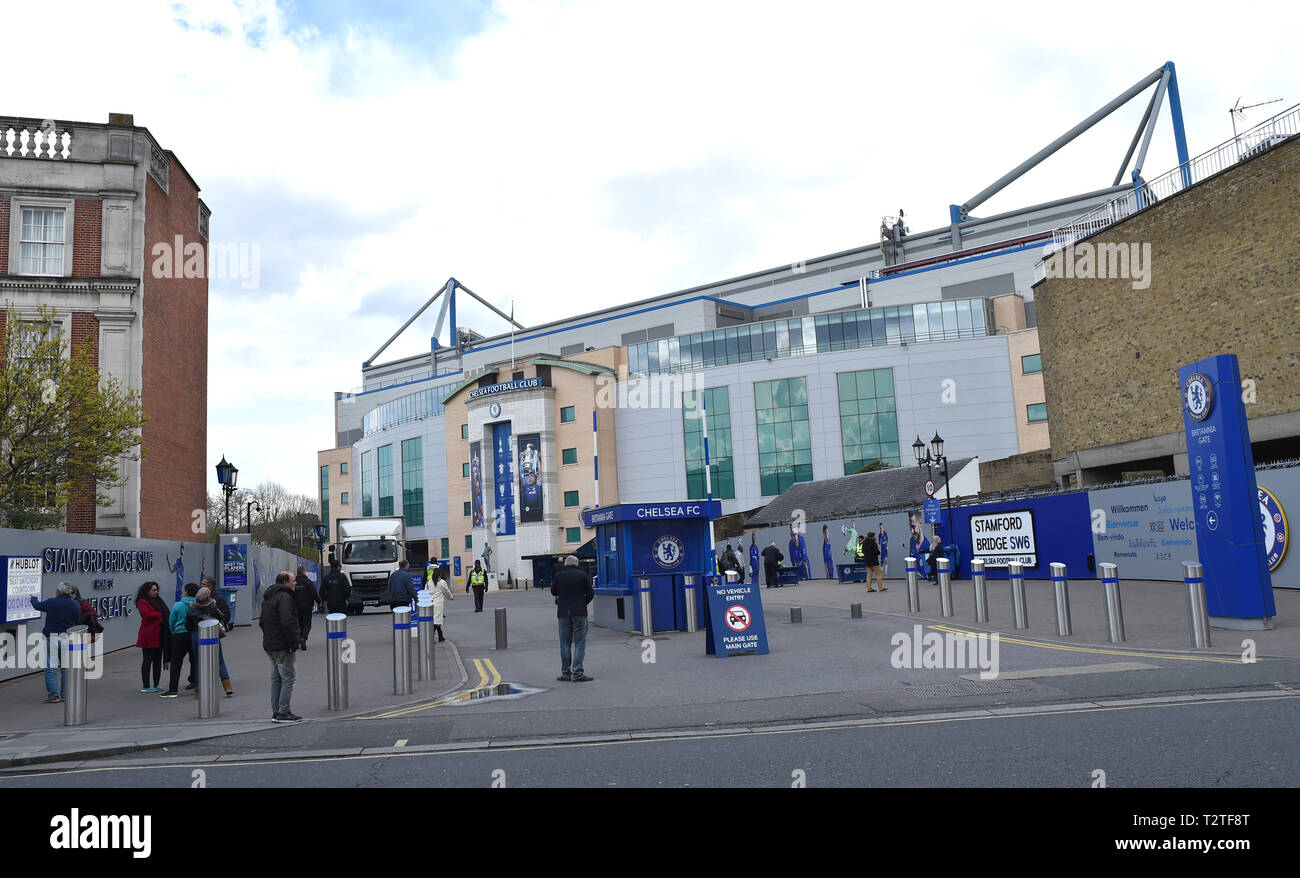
(152, 638)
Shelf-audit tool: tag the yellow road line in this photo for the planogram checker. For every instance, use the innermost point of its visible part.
(1002, 638)
(488, 675)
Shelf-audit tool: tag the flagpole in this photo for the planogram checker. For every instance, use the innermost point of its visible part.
(512, 334)
(708, 481)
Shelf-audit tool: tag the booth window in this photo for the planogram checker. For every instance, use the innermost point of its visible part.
(570, 498)
(343, 501)
(568, 456)
(567, 415)
(1037, 412)
(446, 546)
(464, 431)
(464, 470)
(467, 509)
(573, 534)
(343, 469)
(1031, 363)
(469, 541)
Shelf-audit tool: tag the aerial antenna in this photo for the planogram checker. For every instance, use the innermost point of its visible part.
(1237, 111)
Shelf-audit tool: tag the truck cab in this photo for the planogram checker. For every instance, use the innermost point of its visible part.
(369, 550)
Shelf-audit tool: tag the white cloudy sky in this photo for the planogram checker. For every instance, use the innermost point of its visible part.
(569, 155)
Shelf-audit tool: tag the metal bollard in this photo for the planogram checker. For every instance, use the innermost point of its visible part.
(981, 590)
(647, 620)
(209, 675)
(425, 635)
(1114, 607)
(503, 641)
(336, 672)
(72, 658)
(402, 626)
(1016, 574)
(855, 610)
(796, 615)
(1061, 585)
(945, 587)
(1193, 575)
(692, 624)
(913, 591)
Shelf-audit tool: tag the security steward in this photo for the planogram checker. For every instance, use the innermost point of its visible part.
(477, 581)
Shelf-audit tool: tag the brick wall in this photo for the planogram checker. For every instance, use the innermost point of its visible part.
(81, 497)
(87, 238)
(1029, 470)
(1225, 278)
(174, 370)
(4, 234)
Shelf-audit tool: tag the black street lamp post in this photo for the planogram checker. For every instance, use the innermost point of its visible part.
(925, 458)
(227, 475)
(248, 513)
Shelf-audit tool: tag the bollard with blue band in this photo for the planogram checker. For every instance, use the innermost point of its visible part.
(1194, 576)
(1114, 608)
(336, 672)
(981, 590)
(913, 591)
(1061, 586)
(1019, 607)
(74, 696)
(690, 590)
(402, 628)
(945, 587)
(424, 636)
(209, 675)
(647, 617)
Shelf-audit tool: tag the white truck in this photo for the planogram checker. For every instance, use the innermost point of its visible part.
(368, 550)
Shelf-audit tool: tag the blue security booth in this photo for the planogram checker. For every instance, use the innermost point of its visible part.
(661, 542)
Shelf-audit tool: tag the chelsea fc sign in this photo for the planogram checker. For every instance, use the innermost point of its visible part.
(1198, 396)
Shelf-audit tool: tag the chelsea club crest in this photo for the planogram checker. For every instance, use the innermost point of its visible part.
(1275, 531)
(668, 551)
(1198, 396)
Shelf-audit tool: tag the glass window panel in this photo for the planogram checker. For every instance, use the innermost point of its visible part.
(782, 338)
(949, 319)
(803, 456)
(823, 333)
(664, 361)
(848, 407)
(849, 432)
(808, 332)
(1031, 363)
(847, 384)
(888, 428)
(800, 435)
(978, 322)
(836, 332)
(784, 437)
(763, 395)
(891, 325)
(674, 353)
(921, 322)
(694, 446)
(745, 350)
(719, 401)
(867, 406)
(850, 328)
(1037, 412)
(766, 438)
(868, 430)
(866, 384)
(781, 393)
(884, 382)
(796, 337)
(652, 358)
(803, 472)
(935, 314)
(767, 458)
(798, 392)
(906, 328)
(733, 347)
(878, 326)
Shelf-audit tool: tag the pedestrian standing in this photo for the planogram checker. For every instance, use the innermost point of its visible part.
(401, 587)
(936, 552)
(335, 588)
(478, 581)
(871, 557)
(772, 559)
(573, 591)
(441, 592)
(224, 616)
(154, 640)
(205, 607)
(280, 640)
(181, 644)
(305, 598)
(61, 613)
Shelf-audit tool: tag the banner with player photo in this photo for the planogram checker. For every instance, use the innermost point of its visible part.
(476, 482)
(530, 477)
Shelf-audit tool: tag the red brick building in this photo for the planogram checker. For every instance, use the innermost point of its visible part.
(101, 223)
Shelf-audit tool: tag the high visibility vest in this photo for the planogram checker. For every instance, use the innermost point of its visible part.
(477, 577)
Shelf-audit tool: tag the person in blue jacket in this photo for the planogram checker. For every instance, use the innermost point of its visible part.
(61, 612)
(753, 559)
(827, 558)
(182, 644)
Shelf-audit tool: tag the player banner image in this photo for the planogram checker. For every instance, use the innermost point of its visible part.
(503, 461)
(476, 482)
(530, 477)
(234, 561)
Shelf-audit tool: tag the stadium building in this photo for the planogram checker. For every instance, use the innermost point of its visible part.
(494, 444)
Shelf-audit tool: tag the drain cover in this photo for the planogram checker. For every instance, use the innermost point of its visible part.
(957, 688)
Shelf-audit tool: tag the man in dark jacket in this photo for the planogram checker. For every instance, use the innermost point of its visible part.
(772, 559)
(871, 557)
(304, 599)
(280, 639)
(573, 591)
(401, 587)
(61, 613)
(335, 588)
(223, 608)
(936, 552)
